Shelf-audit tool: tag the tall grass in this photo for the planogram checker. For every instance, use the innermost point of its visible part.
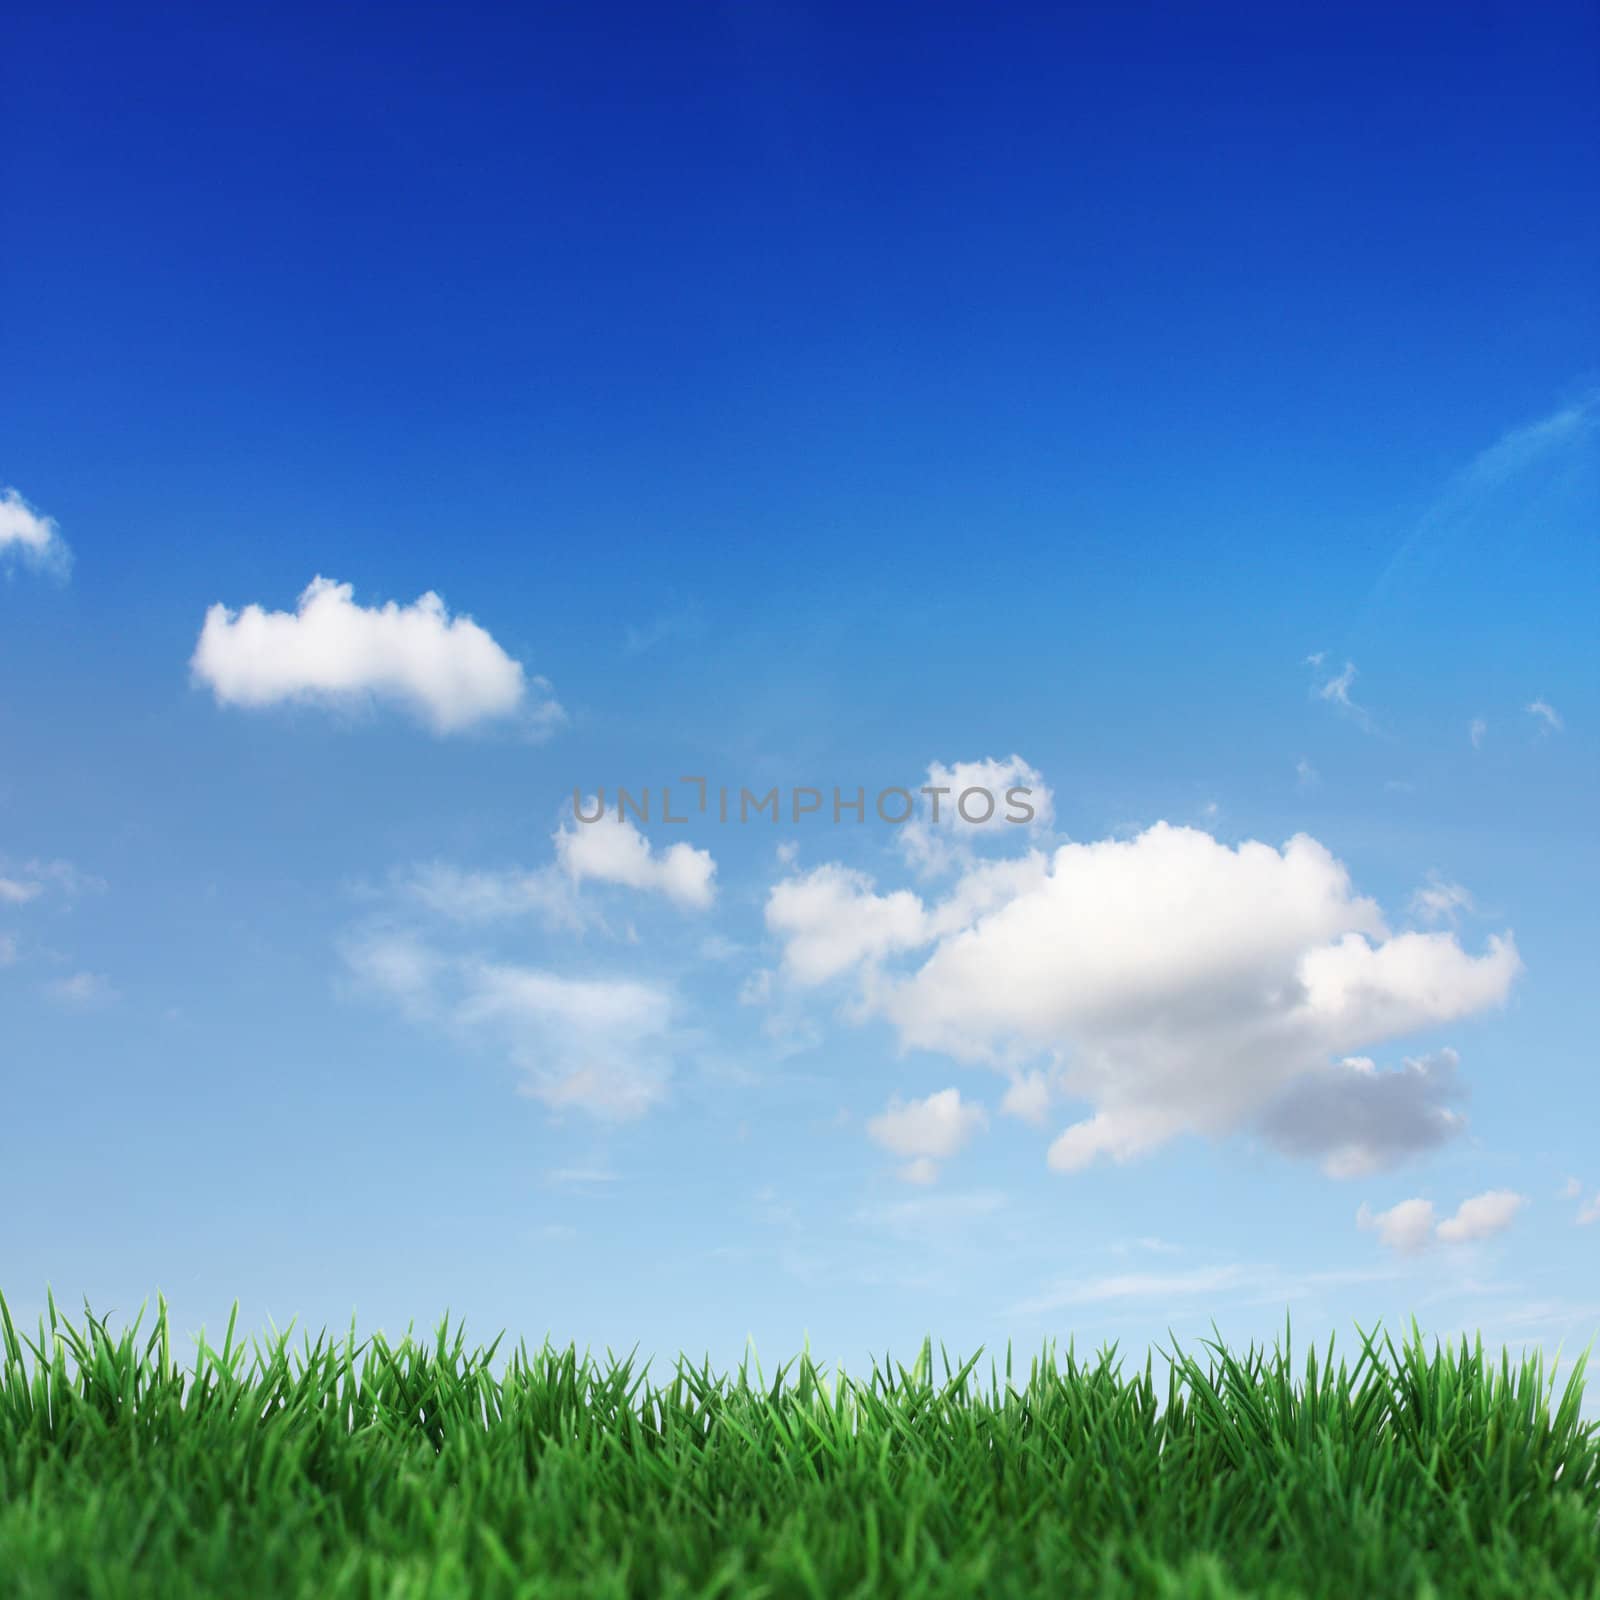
(337, 1467)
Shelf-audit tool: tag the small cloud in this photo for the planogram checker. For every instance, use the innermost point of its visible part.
(613, 850)
(928, 1130)
(1571, 1189)
(756, 990)
(1315, 659)
(1406, 1228)
(26, 882)
(1440, 901)
(1306, 776)
(1482, 1216)
(1027, 1098)
(447, 671)
(1548, 717)
(1589, 1213)
(82, 991)
(1410, 1227)
(1335, 691)
(682, 622)
(31, 538)
(1476, 729)
(579, 1177)
(8, 949)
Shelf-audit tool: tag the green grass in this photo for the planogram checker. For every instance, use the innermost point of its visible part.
(294, 1467)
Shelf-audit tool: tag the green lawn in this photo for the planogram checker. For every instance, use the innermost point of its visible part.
(299, 1468)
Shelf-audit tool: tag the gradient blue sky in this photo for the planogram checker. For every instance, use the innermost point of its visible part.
(808, 395)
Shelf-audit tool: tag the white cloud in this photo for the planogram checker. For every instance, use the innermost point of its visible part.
(1180, 985)
(1571, 1189)
(1591, 1212)
(81, 991)
(974, 800)
(1482, 1216)
(445, 670)
(1306, 776)
(27, 881)
(598, 1045)
(476, 895)
(831, 920)
(606, 851)
(1335, 691)
(8, 949)
(1410, 1227)
(1407, 1227)
(924, 1170)
(1028, 1097)
(1476, 729)
(1548, 717)
(937, 1126)
(1439, 900)
(614, 851)
(31, 537)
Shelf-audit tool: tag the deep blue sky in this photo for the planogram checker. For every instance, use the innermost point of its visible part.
(811, 394)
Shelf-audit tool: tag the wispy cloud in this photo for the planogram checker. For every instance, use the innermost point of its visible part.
(1546, 715)
(82, 991)
(31, 539)
(682, 622)
(1335, 691)
(1259, 1284)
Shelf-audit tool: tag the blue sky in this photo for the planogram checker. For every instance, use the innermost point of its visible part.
(1191, 415)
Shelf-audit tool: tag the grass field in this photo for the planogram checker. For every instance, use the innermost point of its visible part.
(301, 1467)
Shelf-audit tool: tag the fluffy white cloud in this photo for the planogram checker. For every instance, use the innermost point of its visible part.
(14, 892)
(597, 1045)
(1482, 1216)
(972, 806)
(607, 851)
(831, 920)
(937, 1126)
(1410, 1227)
(445, 670)
(1179, 984)
(928, 1131)
(31, 537)
(1407, 1227)
(614, 851)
